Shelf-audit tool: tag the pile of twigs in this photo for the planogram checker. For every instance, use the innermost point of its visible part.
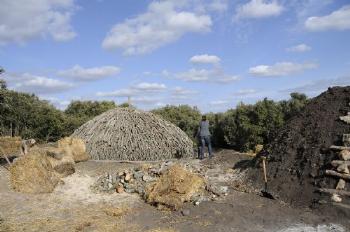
(129, 134)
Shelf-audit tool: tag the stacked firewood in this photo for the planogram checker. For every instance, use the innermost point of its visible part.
(341, 167)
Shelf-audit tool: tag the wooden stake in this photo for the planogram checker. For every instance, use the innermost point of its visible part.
(345, 206)
(335, 191)
(336, 163)
(339, 148)
(337, 174)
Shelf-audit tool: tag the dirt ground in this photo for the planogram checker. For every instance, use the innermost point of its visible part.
(74, 207)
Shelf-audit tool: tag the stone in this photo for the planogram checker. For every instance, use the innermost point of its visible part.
(110, 186)
(345, 119)
(147, 178)
(127, 177)
(341, 184)
(138, 175)
(130, 189)
(223, 190)
(185, 212)
(344, 154)
(115, 178)
(120, 173)
(120, 189)
(105, 185)
(343, 168)
(336, 198)
(154, 171)
(217, 190)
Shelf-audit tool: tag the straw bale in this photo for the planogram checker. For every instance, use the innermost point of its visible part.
(33, 173)
(77, 146)
(64, 166)
(174, 187)
(130, 134)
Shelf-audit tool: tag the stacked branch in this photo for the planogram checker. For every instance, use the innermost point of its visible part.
(342, 171)
(129, 134)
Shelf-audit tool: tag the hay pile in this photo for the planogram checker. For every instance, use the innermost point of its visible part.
(174, 188)
(41, 169)
(33, 173)
(130, 134)
(77, 147)
(61, 160)
(10, 146)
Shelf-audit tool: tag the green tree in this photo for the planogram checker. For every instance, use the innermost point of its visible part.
(294, 105)
(3, 84)
(248, 125)
(269, 118)
(27, 116)
(216, 127)
(184, 116)
(88, 109)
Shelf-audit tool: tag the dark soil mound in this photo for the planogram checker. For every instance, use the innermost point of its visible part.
(300, 154)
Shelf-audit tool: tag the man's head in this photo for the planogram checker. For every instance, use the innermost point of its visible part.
(204, 118)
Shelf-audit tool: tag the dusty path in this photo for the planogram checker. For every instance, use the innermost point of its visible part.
(74, 207)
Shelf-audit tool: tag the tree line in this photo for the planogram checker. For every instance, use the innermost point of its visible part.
(241, 128)
(26, 115)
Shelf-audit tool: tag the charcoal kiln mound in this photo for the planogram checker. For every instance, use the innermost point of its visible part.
(130, 134)
(301, 154)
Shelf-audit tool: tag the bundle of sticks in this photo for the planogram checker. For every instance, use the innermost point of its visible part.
(341, 171)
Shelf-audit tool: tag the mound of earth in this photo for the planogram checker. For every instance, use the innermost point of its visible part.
(130, 134)
(300, 154)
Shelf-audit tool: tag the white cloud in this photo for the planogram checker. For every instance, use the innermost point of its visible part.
(218, 5)
(144, 100)
(205, 59)
(214, 74)
(219, 102)
(89, 74)
(117, 93)
(36, 84)
(150, 87)
(299, 48)
(259, 9)
(23, 20)
(180, 93)
(317, 86)
(337, 20)
(163, 23)
(205, 75)
(134, 90)
(280, 69)
(245, 92)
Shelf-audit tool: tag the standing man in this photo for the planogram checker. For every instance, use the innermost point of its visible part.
(204, 135)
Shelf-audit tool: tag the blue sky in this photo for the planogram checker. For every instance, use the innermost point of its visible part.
(208, 53)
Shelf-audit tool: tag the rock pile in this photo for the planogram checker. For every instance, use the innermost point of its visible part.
(166, 185)
(129, 181)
